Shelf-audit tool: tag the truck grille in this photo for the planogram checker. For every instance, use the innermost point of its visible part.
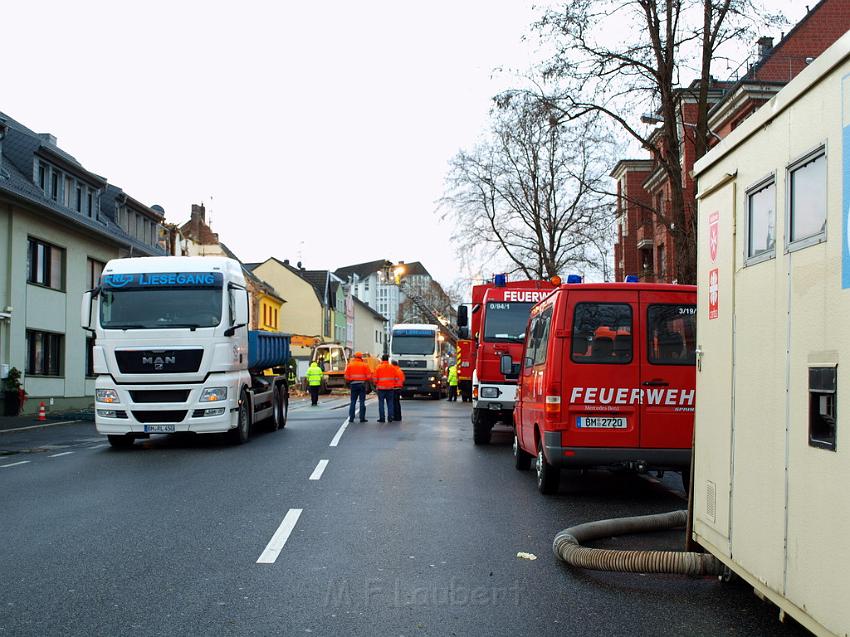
(410, 364)
(160, 396)
(160, 416)
(159, 361)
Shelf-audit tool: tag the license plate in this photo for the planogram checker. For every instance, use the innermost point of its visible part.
(601, 422)
(160, 429)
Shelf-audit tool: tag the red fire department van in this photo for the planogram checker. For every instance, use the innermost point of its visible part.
(607, 379)
(498, 320)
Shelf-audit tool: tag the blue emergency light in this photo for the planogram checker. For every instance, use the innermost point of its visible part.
(573, 278)
(500, 280)
(632, 278)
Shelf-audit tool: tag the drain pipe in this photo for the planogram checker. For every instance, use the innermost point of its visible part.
(567, 547)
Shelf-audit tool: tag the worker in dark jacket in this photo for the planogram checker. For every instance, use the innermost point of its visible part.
(399, 386)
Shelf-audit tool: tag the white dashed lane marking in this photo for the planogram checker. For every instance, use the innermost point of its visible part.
(14, 464)
(64, 453)
(275, 545)
(339, 433)
(319, 470)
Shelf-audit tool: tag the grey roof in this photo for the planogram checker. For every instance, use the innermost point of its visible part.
(366, 306)
(362, 270)
(20, 147)
(415, 268)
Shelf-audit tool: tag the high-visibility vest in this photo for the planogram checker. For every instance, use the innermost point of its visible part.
(399, 377)
(385, 376)
(452, 375)
(314, 375)
(356, 371)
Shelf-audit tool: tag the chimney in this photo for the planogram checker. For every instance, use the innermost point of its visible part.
(197, 218)
(48, 138)
(198, 211)
(300, 267)
(765, 45)
(286, 262)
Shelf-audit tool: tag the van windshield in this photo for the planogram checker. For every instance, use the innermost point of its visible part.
(506, 322)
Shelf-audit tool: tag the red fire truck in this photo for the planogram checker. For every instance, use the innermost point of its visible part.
(496, 325)
(465, 350)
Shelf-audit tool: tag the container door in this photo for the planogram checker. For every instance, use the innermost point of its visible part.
(601, 373)
(667, 369)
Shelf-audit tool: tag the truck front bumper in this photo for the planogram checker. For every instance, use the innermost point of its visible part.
(146, 409)
(421, 382)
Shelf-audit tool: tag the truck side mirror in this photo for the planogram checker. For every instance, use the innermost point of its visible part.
(462, 316)
(85, 310)
(238, 309)
(506, 364)
(463, 333)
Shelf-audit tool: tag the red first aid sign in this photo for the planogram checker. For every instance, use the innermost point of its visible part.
(713, 232)
(713, 293)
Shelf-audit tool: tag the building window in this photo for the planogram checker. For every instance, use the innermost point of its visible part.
(69, 189)
(90, 356)
(807, 200)
(54, 185)
(93, 271)
(78, 205)
(42, 176)
(45, 264)
(662, 261)
(761, 220)
(90, 203)
(44, 353)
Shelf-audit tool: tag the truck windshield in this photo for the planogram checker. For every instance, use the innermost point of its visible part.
(506, 321)
(423, 345)
(147, 301)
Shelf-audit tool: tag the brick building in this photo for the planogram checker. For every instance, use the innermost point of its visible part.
(644, 246)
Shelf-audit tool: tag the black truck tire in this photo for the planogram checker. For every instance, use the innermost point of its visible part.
(548, 477)
(481, 427)
(240, 434)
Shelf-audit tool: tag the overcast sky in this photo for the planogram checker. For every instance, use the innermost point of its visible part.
(314, 128)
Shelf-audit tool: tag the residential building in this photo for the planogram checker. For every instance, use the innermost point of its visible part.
(644, 245)
(198, 239)
(59, 225)
(369, 329)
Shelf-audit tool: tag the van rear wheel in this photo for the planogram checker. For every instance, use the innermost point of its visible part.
(522, 459)
(481, 427)
(548, 477)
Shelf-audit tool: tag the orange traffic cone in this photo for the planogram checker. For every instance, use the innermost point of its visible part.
(42, 415)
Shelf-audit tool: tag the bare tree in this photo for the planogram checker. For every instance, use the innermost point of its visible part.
(528, 192)
(638, 72)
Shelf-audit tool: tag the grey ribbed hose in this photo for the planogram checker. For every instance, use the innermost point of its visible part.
(567, 547)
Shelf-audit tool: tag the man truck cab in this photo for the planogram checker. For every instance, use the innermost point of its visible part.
(607, 379)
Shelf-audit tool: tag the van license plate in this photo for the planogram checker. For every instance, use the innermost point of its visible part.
(160, 429)
(600, 422)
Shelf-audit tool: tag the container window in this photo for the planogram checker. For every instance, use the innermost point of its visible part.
(671, 334)
(822, 407)
(602, 333)
(807, 183)
(761, 220)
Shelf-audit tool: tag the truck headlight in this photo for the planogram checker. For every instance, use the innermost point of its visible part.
(213, 394)
(489, 392)
(106, 395)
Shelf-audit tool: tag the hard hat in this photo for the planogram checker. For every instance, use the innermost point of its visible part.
(358, 354)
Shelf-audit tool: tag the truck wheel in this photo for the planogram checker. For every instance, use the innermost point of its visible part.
(284, 407)
(481, 427)
(522, 459)
(277, 420)
(548, 477)
(121, 441)
(240, 435)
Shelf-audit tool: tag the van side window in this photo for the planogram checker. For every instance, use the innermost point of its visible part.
(671, 334)
(543, 323)
(602, 333)
(530, 344)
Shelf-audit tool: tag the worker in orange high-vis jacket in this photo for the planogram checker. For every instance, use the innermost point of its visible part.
(385, 381)
(399, 386)
(356, 374)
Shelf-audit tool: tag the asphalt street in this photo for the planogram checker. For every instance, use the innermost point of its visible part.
(370, 529)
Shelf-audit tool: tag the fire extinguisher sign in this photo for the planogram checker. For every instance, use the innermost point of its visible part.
(713, 293)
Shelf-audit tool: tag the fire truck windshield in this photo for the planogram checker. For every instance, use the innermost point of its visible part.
(506, 321)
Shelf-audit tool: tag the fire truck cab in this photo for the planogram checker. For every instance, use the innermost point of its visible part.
(607, 379)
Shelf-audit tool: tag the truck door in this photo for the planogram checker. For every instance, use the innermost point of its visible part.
(667, 369)
(601, 373)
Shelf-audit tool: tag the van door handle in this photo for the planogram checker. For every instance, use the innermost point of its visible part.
(655, 383)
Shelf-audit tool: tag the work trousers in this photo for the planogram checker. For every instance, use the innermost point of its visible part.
(397, 404)
(453, 393)
(385, 396)
(358, 391)
(314, 394)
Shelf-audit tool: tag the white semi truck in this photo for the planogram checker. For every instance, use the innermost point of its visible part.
(173, 352)
(417, 348)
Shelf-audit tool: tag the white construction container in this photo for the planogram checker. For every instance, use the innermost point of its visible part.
(772, 437)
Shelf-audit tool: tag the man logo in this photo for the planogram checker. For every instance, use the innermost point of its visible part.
(159, 362)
